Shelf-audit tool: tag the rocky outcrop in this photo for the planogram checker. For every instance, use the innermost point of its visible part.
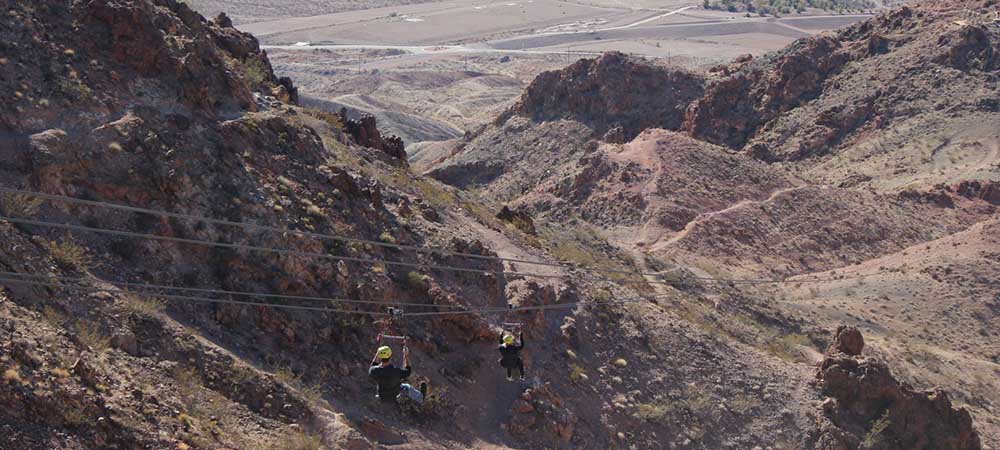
(826, 91)
(520, 218)
(102, 56)
(970, 47)
(541, 414)
(868, 408)
(734, 108)
(364, 131)
(988, 191)
(608, 92)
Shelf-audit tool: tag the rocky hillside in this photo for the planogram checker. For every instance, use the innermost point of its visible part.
(847, 163)
(148, 104)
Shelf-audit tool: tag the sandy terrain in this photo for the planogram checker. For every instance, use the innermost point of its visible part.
(444, 68)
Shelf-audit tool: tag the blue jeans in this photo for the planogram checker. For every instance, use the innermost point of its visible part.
(407, 391)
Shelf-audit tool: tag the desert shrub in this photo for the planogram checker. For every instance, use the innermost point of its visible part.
(20, 205)
(69, 255)
(75, 89)
(255, 71)
(186, 421)
(874, 433)
(90, 335)
(310, 391)
(576, 373)
(417, 281)
(326, 116)
(143, 306)
(659, 412)
(387, 238)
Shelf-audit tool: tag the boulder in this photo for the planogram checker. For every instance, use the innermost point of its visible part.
(848, 341)
(868, 405)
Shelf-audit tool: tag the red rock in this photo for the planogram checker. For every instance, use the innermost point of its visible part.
(612, 91)
(848, 341)
(365, 132)
(866, 394)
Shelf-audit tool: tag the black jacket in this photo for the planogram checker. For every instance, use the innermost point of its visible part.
(389, 379)
(509, 353)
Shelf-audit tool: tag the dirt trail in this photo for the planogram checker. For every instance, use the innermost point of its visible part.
(701, 218)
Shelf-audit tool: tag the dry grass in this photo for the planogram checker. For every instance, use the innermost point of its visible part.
(70, 255)
(12, 376)
(53, 317)
(787, 346)
(326, 116)
(311, 391)
(59, 372)
(20, 205)
(188, 383)
(74, 416)
(659, 412)
(89, 334)
(298, 440)
(143, 306)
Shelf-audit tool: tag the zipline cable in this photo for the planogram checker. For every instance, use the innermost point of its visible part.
(289, 252)
(483, 310)
(190, 298)
(341, 238)
(224, 292)
(427, 250)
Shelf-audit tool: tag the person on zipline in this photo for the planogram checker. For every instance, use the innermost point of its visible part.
(509, 357)
(390, 378)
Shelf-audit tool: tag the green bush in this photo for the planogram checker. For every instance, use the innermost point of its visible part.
(255, 71)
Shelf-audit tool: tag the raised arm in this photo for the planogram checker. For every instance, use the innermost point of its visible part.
(520, 341)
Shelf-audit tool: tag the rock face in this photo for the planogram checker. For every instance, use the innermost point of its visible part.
(825, 91)
(868, 408)
(365, 132)
(608, 92)
(733, 109)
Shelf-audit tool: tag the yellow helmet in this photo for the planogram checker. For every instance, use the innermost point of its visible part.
(384, 352)
(508, 339)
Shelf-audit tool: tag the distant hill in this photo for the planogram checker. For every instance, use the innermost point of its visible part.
(791, 6)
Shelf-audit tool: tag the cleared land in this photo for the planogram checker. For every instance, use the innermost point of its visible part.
(432, 71)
